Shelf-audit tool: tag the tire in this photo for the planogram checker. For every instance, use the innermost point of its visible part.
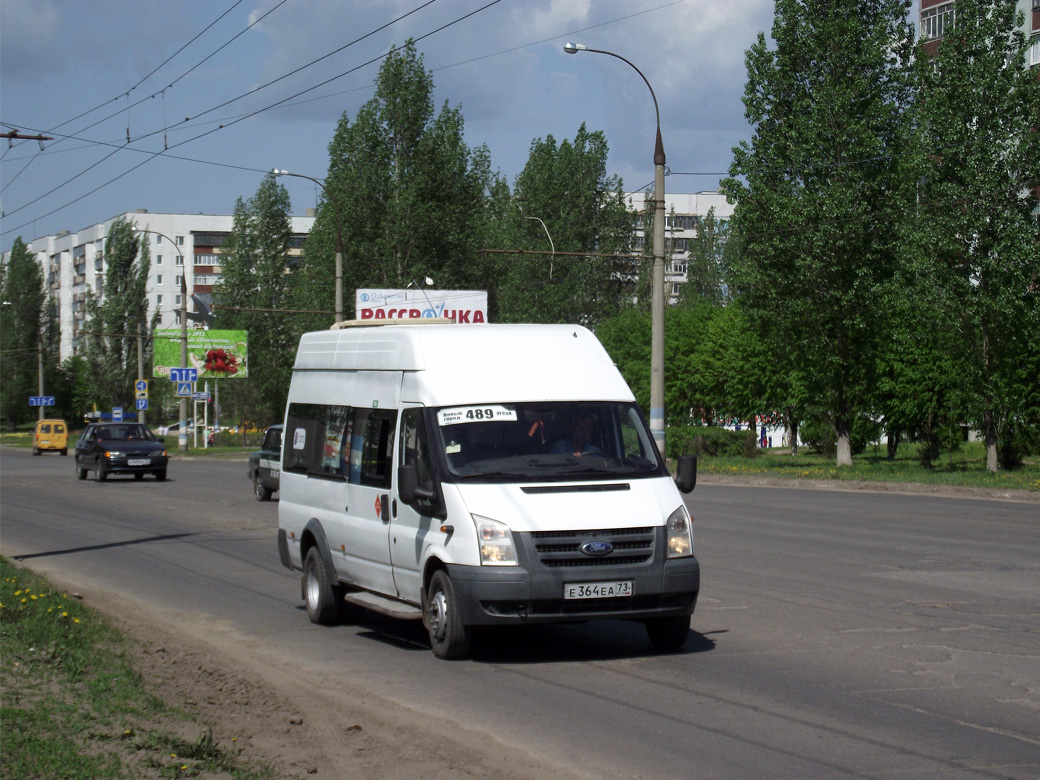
(65, 452)
(160, 476)
(139, 476)
(321, 596)
(259, 490)
(81, 473)
(449, 638)
(668, 634)
(99, 472)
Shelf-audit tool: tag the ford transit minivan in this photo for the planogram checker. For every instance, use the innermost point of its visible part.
(476, 475)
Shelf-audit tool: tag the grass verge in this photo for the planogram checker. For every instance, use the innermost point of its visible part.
(966, 467)
(73, 706)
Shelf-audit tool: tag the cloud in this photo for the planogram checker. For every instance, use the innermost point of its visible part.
(30, 32)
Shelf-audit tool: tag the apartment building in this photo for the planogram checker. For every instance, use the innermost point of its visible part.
(936, 16)
(683, 215)
(179, 245)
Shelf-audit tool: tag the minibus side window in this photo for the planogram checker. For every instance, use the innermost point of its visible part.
(377, 447)
(315, 435)
(415, 449)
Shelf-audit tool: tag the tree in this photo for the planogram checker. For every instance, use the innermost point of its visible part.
(828, 103)
(706, 264)
(21, 329)
(407, 192)
(258, 275)
(111, 320)
(977, 237)
(564, 193)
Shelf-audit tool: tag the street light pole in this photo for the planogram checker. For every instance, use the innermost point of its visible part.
(657, 297)
(182, 433)
(339, 237)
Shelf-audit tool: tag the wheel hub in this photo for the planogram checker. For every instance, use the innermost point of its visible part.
(437, 610)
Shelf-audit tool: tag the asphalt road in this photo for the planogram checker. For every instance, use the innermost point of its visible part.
(838, 634)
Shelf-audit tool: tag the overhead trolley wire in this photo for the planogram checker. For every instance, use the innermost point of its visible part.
(214, 108)
(141, 81)
(163, 152)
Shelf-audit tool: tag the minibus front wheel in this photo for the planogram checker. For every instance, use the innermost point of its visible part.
(668, 634)
(449, 637)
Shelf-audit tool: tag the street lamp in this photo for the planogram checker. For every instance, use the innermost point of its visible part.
(182, 433)
(339, 237)
(657, 290)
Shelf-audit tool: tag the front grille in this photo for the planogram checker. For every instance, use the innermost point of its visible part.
(560, 549)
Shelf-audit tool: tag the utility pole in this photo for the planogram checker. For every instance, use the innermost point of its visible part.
(39, 368)
(140, 367)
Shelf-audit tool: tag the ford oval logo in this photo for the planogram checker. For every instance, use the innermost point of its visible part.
(597, 548)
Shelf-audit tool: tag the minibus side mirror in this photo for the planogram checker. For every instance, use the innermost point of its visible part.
(686, 473)
(423, 498)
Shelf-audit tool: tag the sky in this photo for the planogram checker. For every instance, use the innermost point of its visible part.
(212, 94)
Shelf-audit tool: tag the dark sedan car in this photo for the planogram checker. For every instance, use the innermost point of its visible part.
(120, 448)
(265, 465)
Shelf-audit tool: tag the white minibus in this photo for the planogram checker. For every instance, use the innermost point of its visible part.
(479, 475)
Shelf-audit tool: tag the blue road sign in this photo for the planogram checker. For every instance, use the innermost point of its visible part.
(183, 390)
(142, 404)
(41, 400)
(117, 413)
(184, 375)
(141, 385)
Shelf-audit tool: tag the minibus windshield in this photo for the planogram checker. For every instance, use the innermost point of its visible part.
(546, 441)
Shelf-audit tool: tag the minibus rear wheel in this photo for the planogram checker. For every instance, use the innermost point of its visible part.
(321, 597)
(449, 638)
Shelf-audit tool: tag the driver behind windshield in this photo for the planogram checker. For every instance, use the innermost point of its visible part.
(577, 443)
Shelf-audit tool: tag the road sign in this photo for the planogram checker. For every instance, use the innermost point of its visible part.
(203, 396)
(183, 390)
(141, 388)
(117, 414)
(184, 375)
(41, 400)
(142, 404)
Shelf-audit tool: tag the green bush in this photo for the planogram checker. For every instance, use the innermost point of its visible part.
(1016, 440)
(710, 440)
(819, 436)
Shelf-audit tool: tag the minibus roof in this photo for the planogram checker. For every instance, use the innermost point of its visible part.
(474, 363)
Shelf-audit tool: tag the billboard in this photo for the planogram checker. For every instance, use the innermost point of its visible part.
(216, 354)
(460, 305)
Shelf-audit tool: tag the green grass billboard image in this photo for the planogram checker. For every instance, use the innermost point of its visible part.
(216, 354)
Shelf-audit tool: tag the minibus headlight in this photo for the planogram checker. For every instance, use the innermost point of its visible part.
(496, 542)
(680, 535)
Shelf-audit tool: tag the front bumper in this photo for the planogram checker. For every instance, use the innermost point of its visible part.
(121, 465)
(533, 592)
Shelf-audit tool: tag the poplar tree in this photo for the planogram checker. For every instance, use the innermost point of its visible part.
(257, 275)
(21, 325)
(564, 201)
(113, 319)
(819, 192)
(407, 192)
(977, 240)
